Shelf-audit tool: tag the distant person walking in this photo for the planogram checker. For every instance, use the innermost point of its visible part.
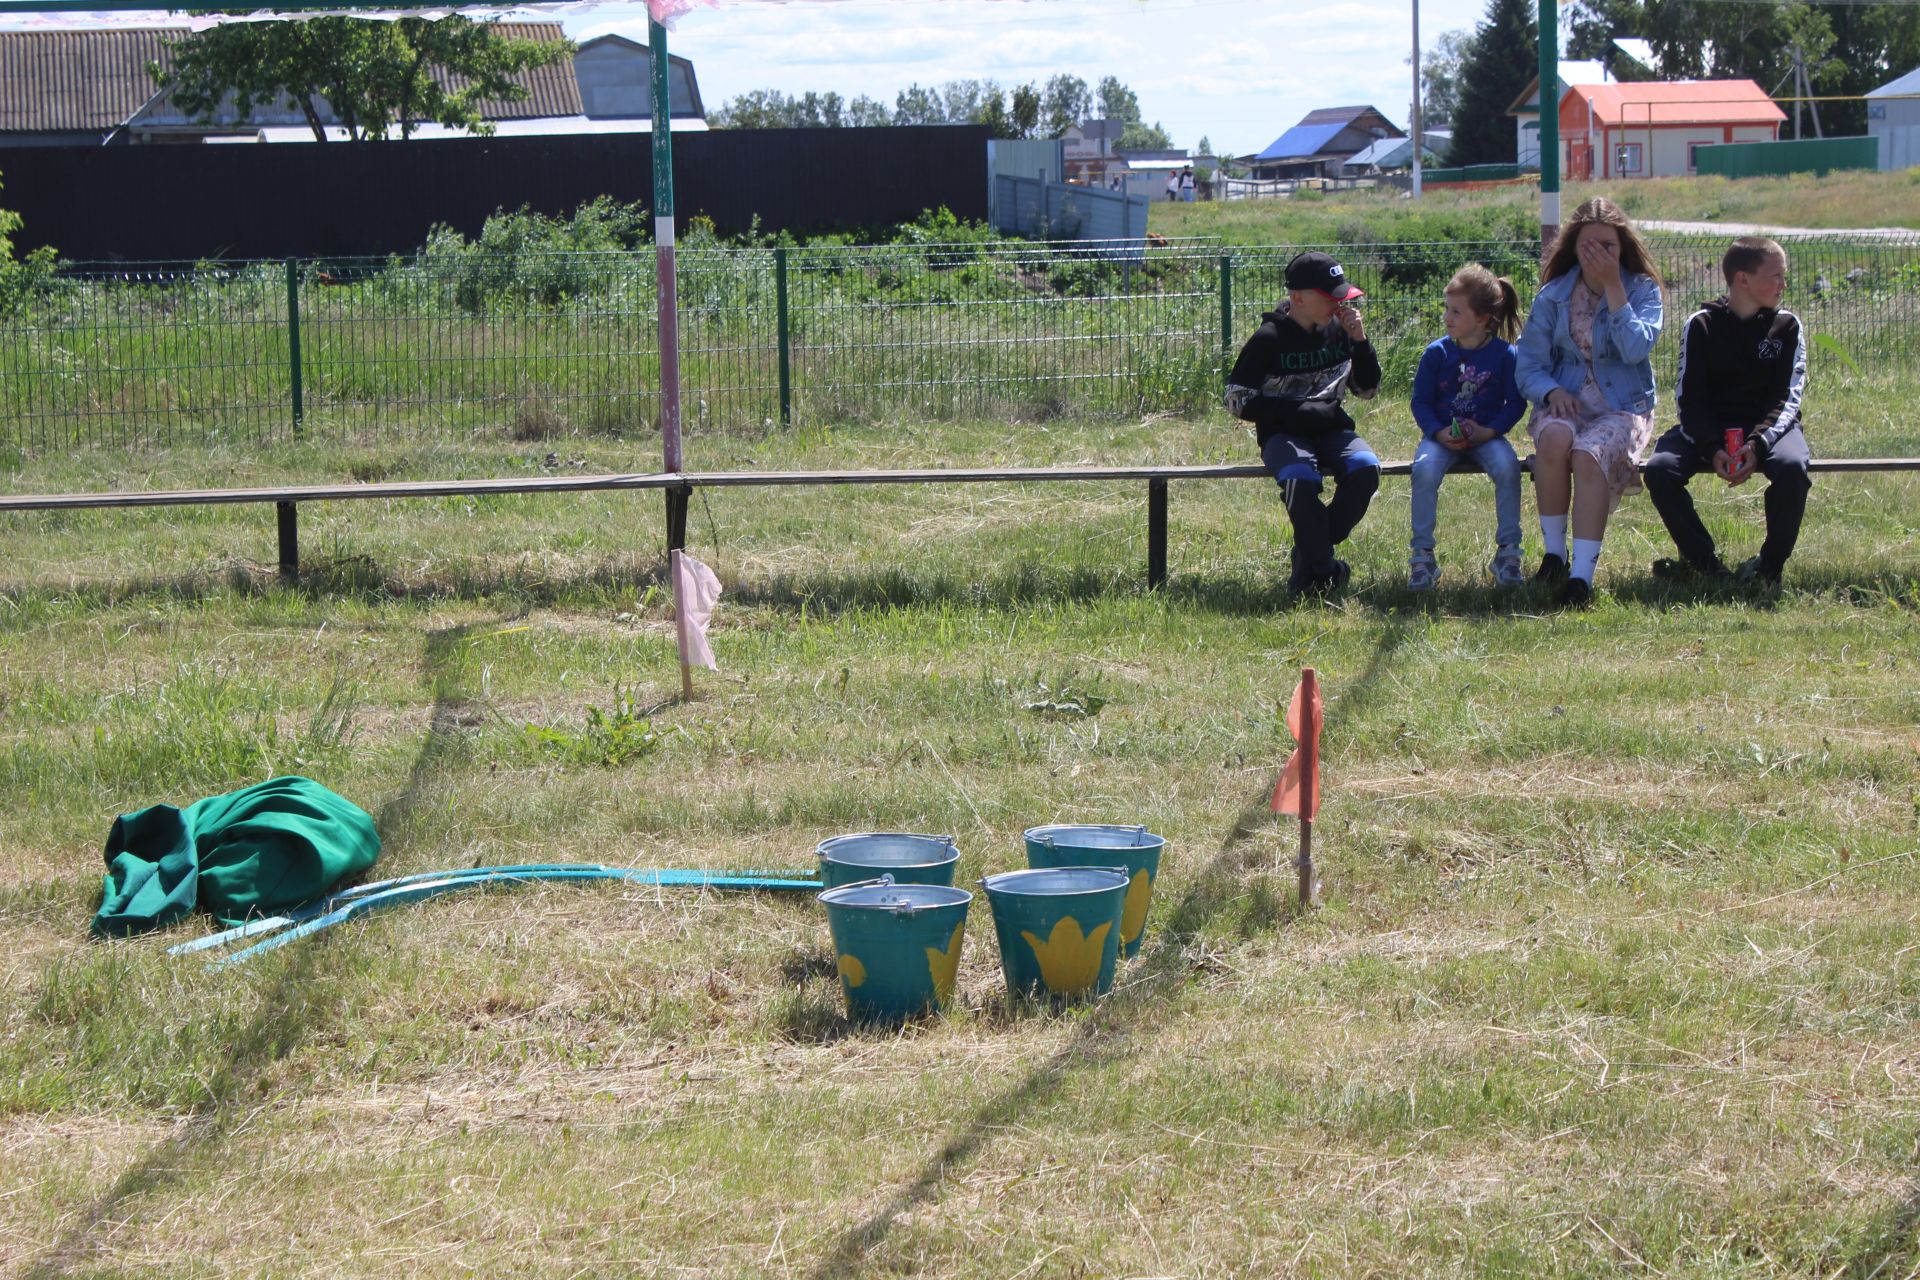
(1585, 362)
(1173, 185)
(1186, 184)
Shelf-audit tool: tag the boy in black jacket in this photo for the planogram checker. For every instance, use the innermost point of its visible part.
(1288, 382)
(1743, 369)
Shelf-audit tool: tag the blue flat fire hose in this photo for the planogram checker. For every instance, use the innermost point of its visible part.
(362, 899)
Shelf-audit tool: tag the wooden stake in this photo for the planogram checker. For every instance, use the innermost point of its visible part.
(1309, 785)
(1305, 863)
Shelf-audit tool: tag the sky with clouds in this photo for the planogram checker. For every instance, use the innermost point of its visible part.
(1238, 72)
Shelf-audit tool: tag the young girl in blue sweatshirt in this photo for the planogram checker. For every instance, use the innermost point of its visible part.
(1465, 401)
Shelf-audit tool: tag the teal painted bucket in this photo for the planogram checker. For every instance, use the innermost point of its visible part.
(908, 858)
(1135, 849)
(1059, 928)
(897, 946)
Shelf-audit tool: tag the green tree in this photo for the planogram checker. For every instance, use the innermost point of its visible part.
(1203, 147)
(1067, 103)
(867, 113)
(1024, 111)
(376, 77)
(1144, 137)
(1501, 61)
(20, 279)
(914, 105)
(1440, 69)
(1117, 102)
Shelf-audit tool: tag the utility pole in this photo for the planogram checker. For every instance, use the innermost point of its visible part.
(1416, 99)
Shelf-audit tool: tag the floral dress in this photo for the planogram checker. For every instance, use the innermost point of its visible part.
(1615, 439)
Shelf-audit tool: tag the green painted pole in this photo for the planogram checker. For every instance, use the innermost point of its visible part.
(663, 236)
(1226, 306)
(786, 334)
(1549, 125)
(293, 348)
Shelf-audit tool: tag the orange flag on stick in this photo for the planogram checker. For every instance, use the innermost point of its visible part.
(1298, 791)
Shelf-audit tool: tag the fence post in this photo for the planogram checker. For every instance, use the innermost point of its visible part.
(1226, 306)
(786, 338)
(293, 346)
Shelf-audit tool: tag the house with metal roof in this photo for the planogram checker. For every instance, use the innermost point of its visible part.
(1320, 145)
(1391, 154)
(91, 87)
(1655, 128)
(1893, 117)
(1525, 110)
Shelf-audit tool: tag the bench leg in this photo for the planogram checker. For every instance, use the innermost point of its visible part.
(289, 540)
(1156, 534)
(677, 500)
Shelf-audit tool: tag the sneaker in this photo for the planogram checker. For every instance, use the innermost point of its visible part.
(1574, 593)
(1321, 584)
(1423, 572)
(1670, 570)
(1552, 569)
(1507, 569)
(1754, 571)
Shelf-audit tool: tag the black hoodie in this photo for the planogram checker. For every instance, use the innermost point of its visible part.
(1746, 374)
(1290, 378)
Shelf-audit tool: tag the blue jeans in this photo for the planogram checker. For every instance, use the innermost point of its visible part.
(1431, 462)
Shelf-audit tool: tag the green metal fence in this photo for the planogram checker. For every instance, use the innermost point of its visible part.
(537, 346)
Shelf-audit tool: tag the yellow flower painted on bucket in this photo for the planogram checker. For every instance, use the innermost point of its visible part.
(852, 971)
(944, 965)
(1069, 960)
(1133, 917)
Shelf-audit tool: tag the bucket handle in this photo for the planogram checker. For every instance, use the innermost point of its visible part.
(1139, 835)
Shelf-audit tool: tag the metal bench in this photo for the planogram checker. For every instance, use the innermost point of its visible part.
(679, 487)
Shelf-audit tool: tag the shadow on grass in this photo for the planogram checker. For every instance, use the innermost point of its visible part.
(1113, 1028)
(284, 1010)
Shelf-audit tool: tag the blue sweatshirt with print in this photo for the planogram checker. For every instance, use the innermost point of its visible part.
(1477, 385)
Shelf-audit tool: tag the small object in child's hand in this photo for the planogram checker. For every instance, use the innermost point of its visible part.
(1458, 431)
(1735, 439)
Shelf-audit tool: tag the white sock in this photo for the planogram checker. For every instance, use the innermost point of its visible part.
(1586, 554)
(1553, 532)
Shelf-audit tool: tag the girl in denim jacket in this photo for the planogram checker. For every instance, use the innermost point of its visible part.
(1585, 362)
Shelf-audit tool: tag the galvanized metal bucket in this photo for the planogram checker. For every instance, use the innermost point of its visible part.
(897, 946)
(1059, 928)
(1136, 849)
(907, 857)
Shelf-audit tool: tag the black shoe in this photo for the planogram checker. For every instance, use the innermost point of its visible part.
(1684, 571)
(1755, 571)
(1574, 593)
(1552, 569)
(1321, 584)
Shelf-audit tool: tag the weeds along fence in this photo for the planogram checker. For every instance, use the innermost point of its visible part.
(537, 346)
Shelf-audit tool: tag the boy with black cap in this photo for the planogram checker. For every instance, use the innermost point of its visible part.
(1743, 371)
(1288, 382)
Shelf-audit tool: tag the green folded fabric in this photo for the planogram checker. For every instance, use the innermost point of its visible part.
(247, 853)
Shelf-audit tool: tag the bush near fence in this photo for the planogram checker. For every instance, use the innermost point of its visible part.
(534, 345)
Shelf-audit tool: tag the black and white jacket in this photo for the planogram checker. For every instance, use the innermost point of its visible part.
(1290, 378)
(1746, 374)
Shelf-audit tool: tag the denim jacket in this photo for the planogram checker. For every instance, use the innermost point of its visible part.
(1547, 356)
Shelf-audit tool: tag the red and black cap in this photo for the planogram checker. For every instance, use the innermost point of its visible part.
(1318, 271)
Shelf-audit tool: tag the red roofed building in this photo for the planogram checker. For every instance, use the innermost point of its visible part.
(1652, 128)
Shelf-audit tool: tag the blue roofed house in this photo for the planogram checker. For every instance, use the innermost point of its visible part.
(1322, 143)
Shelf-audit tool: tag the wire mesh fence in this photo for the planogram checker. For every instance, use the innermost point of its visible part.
(535, 346)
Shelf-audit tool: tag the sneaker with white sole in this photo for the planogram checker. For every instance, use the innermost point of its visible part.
(1507, 569)
(1423, 572)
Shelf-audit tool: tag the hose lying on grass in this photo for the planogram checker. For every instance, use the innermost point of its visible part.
(340, 907)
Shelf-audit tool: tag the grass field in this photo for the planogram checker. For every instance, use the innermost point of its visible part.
(1839, 200)
(1617, 969)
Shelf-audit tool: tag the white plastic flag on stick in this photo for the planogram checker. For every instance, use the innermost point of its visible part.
(696, 592)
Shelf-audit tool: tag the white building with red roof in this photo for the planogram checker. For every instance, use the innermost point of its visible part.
(1655, 128)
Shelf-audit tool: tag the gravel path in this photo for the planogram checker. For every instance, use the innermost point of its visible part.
(1761, 229)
